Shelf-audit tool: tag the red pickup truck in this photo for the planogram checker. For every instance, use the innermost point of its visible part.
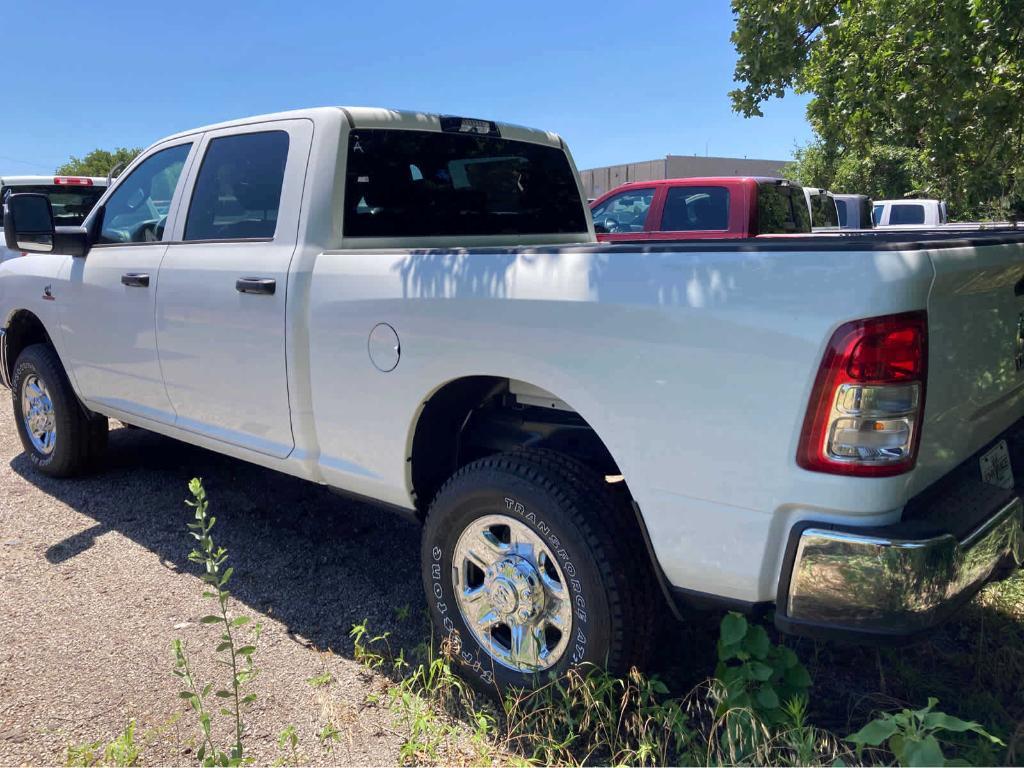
(701, 208)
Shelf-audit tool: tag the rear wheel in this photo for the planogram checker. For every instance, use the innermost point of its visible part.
(533, 565)
(60, 438)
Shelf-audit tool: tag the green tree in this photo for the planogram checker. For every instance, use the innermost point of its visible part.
(99, 162)
(882, 171)
(909, 96)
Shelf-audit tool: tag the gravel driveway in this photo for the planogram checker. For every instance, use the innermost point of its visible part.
(95, 584)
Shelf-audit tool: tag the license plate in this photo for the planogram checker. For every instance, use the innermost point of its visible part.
(995, 466)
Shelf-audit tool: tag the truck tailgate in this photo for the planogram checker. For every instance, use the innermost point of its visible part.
(975, 325)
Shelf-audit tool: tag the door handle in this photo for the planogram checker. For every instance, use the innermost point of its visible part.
(262, 285)
(135, 280)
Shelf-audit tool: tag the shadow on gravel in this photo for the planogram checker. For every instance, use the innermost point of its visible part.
(74, 545)
(313, 560)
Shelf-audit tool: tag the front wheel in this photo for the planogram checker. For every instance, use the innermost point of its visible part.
(60, 438)
(531, 566)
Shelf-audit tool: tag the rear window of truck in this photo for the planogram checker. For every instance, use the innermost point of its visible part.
(781, 209)
(902, 213)
(691, 209)
(823, 211)
(70, 204)
(402, 183)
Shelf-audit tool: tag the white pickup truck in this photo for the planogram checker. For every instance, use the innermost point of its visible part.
(910, 213)
(411, 308)
(71, 198)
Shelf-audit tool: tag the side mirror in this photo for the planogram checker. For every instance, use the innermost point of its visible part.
(599, 227)
(28, 223)
(28, 226)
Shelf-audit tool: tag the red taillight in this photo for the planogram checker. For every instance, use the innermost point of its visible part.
(72, 181)
(864, 416)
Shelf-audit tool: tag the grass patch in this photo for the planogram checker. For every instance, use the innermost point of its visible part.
(761, 708)
(974, 665)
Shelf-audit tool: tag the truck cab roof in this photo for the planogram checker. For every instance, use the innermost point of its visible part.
(379, 117)
(696, 181)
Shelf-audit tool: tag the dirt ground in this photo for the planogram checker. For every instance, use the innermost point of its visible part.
(95, 583)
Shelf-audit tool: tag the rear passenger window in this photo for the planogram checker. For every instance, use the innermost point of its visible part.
(238, 191)
(902, 213)
(688, 209)
(781, 209)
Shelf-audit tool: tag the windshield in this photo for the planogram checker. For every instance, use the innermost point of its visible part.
(70, 204)
(404, 183)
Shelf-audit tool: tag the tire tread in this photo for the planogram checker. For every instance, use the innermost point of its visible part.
(609, 530)
(82, 438)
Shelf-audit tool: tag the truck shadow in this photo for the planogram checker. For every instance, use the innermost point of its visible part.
(313, 560)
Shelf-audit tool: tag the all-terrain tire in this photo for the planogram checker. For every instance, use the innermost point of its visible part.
(590, 531)
(81, 437)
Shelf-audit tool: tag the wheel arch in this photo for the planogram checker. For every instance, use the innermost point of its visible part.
(468, 417)
(23, 328)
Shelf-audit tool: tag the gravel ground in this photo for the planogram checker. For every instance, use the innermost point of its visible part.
(95, 584)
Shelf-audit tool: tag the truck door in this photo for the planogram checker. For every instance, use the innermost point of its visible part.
(107, 305)
(220, 314)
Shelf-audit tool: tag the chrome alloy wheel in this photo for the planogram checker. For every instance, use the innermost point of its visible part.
(37, 414)
(512, 593)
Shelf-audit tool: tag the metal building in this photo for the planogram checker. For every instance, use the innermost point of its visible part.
(597, 181)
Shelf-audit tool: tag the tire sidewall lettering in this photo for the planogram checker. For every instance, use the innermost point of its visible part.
(480, 662)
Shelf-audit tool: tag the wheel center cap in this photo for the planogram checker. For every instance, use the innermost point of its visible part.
(514, 589)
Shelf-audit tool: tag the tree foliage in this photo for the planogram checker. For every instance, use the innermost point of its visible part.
(99, 162)
(909, 96)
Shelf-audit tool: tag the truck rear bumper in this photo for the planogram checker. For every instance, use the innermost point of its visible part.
(845, 582)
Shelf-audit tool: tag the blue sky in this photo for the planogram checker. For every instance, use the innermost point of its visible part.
(621, 81)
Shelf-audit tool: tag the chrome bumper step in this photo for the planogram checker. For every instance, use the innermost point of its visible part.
(841, 581)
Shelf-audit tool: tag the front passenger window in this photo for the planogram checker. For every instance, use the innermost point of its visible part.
(137, 210)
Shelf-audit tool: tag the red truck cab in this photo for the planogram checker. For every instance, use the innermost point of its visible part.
(701, 208)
